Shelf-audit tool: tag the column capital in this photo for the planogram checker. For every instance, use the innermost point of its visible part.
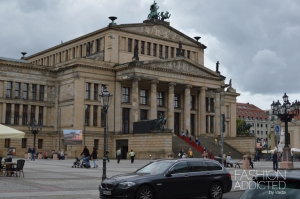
(188, 86)
(202, 88)
(154, 81)
(135, 79)
(172, 84)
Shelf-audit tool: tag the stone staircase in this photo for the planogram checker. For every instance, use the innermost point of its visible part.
(178, 143)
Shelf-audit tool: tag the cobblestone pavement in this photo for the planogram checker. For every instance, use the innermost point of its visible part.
(56, 179)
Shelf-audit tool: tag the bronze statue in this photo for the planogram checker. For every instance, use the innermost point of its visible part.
(161, 122)
(135, 53)
(164, 16)
(179, 50)
(153, 11)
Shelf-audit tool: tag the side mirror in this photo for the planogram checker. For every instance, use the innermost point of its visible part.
(168, 174)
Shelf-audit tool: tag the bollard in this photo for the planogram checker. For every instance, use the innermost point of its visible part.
(246, 163)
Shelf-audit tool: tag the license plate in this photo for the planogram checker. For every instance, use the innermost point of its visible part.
(106, 192)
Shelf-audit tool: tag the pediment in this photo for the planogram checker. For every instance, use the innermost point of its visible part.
(159, 31)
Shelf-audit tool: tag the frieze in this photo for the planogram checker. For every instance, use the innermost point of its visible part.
(210, 94)
(158, 31)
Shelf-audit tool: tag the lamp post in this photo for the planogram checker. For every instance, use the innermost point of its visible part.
(105, 98)
(35, 128)
(286, 113)
(84, 133)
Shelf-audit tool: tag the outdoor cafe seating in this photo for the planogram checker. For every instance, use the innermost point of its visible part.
(9, 168)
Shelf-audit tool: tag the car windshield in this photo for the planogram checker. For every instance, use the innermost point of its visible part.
(272, 190)
(155, 167)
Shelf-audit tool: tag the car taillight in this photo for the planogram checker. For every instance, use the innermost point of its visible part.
(229, 175)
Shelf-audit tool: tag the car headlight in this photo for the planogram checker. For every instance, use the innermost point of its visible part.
(125, 185)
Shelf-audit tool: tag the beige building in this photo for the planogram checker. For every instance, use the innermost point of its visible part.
(60, 86)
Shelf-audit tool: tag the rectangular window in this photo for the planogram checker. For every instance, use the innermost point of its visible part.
(154, 49)
(98, 45)
(207, 104)
(261, 125)
(144, 114)
(142, 47)
(7, 113)
(148, 48)
(96, 143)
(257, 132)
(16, 114)
(87, 115)
(42, 90)
(95, 114)
(103, 119)
(125, 120)
(8, 89)
(125, 94)
(160, 98)
(87, 91)
(40, 143)
(266, 132)
(160, 50)
(32, 115)
(172, 52)
(33, 91)
(188, 54)
(207, 123)
(192, 101)
(17, 90)
(192, 124)
(136, 43)
(176, 100)
(6, 143)
(212, 124)
(266, 125)
(24, 115)
(183, 52)
(129, 45)
(257, 125)
(143, 96)
(166, 52)
(24, 143)
(96, 91)
(212, 105)
(41, 113)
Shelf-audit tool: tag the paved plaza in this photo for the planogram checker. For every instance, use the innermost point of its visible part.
(53, 179)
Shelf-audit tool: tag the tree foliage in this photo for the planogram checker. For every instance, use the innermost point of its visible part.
(242, 127)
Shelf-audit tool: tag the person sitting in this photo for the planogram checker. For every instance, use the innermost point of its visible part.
(58, 155)
(229, 160)
(61, 155)
(53, 151)
(45, 155)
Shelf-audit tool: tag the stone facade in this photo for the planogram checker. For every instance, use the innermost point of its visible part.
(60, 86)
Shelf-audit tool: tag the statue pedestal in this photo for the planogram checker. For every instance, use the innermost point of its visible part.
(287, 159)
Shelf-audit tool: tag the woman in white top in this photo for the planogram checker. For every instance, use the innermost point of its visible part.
(229, 160)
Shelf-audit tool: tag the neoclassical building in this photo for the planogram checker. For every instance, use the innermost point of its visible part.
(149, 67)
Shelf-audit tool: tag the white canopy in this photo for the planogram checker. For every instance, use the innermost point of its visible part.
(7, 132)
(295, 150)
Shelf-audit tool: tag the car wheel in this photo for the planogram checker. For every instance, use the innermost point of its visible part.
(145, 192)
(215, 191)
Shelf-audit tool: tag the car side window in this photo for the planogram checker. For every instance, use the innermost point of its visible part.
(197, 166)
(181, 167)
(213, 166)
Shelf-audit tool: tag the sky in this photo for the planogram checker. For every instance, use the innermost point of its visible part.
(256, 42)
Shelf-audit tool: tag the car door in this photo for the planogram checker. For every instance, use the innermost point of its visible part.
(214, 172)
(199, 176)
(176, 185)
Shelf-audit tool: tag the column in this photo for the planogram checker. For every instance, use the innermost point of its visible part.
(92, 92)
(29, 91)
(170, 116)
(28, 114)
(13, 88)
(218, 113)
(45, 116)
(153, 99)
(118, 109)
(202, 111)
(91, 115)
(36, 116)
(99, 116)
(37, 92)
(21, 90)
(20, 114)
(45, 93)
(187, 108)
(12, 113)
(135, 102)
(4, 88)
(208, 124)
(3, 112)
(83, 50)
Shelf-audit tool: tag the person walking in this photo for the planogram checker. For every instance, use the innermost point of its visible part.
(292, 155)
(229, 160)
(204, 149)
(190, 153)
(106, 155)
(132, 155)
(33, 153)
(29, 154)
(275, 160)
(216, 141)
(181, 152)
(87, 156)
(94, 155)
(119, 154)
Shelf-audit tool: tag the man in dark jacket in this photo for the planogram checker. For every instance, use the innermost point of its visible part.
(87, 155)
(275, 160)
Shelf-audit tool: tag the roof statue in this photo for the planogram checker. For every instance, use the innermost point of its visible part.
(230, 83)
(135, 53)
(179, 52)
(154, 14)
(217, 67)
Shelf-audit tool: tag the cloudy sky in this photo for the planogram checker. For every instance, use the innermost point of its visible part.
(256, 42)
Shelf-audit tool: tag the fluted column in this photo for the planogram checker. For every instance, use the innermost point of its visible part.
(20, 114)
(21, 90)
(45, 116)
(92, 92)
(37, 92)
(13, 88)
(36, 116)
(91, 115)
(29, 114)
(45, 93)
(170, 119)
(29, 89)
(5, 87)
(135, 102)
(118, 110)
(153, 99)
(217, 113)
(202, 111)
(3, 113)
(99, 116)
(187, 108)
(12, 113)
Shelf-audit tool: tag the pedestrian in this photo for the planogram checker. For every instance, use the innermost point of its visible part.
(191, 140)
(292, 155)
(181, 152)
(204, 149)
(132, 155)
(29, 153)
(87, 156)
(106, 155)
(220, 143)
(94, 155)
(182, 132)
(53, 151)
(197, 141)
(224, 159)
(190, 153)
(216, 141)
(119, 154)
(229, 160)
(33, 153)
(187, 133)
(210, 154)
(275, 160)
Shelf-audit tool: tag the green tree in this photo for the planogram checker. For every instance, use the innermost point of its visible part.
(242, 127)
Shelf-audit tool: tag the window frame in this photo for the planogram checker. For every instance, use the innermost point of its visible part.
(33, 91)
(176, 100)
(160, 99)
(25, 91)
(129, 47)
(87, 91)
(17, 90)
(143, 97)
(42, 92)
(125, 95)
(9, 89)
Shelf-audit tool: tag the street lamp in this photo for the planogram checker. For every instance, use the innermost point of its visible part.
(85, 123)
(35, 128)
(286, 112)
(105, 99)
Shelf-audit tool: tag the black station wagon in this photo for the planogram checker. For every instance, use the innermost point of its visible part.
(170, 179)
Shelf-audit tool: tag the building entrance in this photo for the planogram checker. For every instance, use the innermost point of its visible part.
(124, 145)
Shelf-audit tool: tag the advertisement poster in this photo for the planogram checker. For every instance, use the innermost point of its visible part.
(72, 137)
